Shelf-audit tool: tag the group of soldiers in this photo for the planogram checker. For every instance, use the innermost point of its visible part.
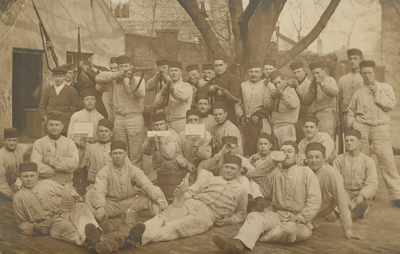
(266, 156)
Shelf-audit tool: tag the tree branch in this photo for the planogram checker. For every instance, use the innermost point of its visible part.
(201, 23)
(236, 10)
(311, 36)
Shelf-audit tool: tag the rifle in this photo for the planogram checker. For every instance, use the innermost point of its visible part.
(79, 71)
(48, 40)
(341, 127)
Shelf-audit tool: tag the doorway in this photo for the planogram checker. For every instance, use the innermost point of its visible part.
(27, 80)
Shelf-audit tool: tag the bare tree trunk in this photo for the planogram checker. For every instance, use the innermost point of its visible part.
(199, 19)
(311, 36)
(261, 28)
(236, 10)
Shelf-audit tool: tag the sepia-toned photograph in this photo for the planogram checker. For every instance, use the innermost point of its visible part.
(199, 126)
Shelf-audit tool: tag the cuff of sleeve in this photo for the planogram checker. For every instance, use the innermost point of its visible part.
(159, 201)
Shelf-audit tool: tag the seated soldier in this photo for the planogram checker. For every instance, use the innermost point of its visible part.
(359, 173)
(37, 207)
(116, 188)
(193, 149)
(332, 189)
(56, 156)
(312, 133)
(88, 114)
(215, 166)
(262, 163)
(163, 149)
(203, 105)
(224, 127)
(95, 156)
(11, 155)
(218, 200)
(296, 199)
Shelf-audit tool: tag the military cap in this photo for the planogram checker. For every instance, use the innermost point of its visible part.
(69, 66)
(316, 146)
(55, 115)
(312, 119)
(201, 95)
(158, 117)
(59, 70)
(367, 63)
(274, 75)
(88, 92)
(27, 166)
(352, 132)
(269, 61)
(230, 139)
(254, 64)
(220, 104)
(208, 66)
(220, 56)
(266, 136)
(193, 112)
(192, 67)
(232, 159)
(124, 59)
(316, 65)
(291, 143)
(113, 60)
(118, 144)
(296, 65)
(10, 133)
(356, 52)
(106, 123)
(175, 64)
(162, 61)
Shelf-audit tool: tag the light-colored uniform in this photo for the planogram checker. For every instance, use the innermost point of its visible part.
(180, 101)
(285, 112)
(226, 129)
(295, 191)
(322, 138)
(60, 170)
(187, 155)
(262, 173)
(84, 116)
(324, 107)
(43, 201)
(128, 107)
(118, 189)
(333, 195)
(254, 97)
(348, 85)
(302, 90)
(215, 164)
(9, 163)
(206, 201)
(369, 114)
(209, 122)
(95, 157)
(360, 176)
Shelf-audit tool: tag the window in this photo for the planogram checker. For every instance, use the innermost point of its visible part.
(72, 57)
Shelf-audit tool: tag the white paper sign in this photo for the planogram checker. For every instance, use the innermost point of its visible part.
(151, 134)
(195, 130)
(83, 129)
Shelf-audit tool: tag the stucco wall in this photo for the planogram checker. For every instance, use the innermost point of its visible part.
(101, 35)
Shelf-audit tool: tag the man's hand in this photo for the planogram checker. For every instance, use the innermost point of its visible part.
(190, 167)
(223, 222)
(373, 87)
(46, 160)
(254, 119)
(359, 199)
(225, 149)
(212, 88)
(100, 213)
(80, 143)
(297, 218)
(238, 110)
(163, 205)
(70, 202)
(43, 227)
(318, 80)
(349, 235)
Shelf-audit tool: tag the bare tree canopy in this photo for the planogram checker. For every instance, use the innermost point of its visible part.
(253, 28)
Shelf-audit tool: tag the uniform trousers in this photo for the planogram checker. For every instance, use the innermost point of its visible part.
(284, 132)
(130, 129)
(379, 137)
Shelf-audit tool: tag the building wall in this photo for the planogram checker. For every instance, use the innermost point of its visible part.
(101, 34)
